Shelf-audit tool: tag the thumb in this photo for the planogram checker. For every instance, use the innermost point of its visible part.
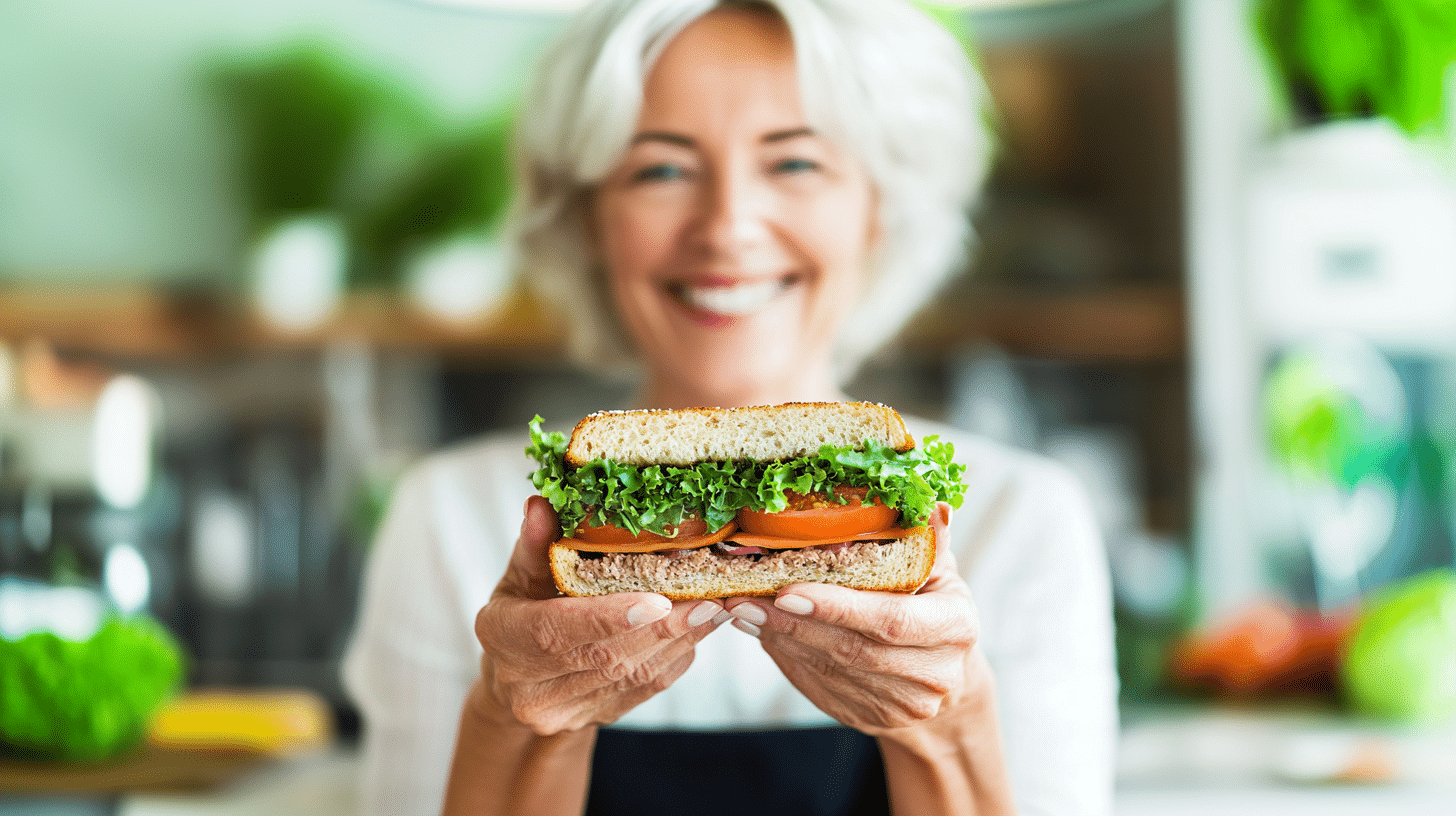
(945, 568)
(530, 567)
(940, 523)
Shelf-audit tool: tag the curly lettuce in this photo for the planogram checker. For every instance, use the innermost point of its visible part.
(87, 700)
(657, 497)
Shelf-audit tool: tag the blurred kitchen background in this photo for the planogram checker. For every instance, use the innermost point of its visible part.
(249, 271)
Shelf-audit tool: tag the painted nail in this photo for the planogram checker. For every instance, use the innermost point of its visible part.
(722, 617)
(702, 613)
(797, 604)
(745, 626)
(750, 612)
(646, 613)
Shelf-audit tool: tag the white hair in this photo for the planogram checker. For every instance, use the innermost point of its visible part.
(877, 77)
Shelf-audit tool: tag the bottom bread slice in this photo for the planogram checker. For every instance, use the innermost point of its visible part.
(902, 565)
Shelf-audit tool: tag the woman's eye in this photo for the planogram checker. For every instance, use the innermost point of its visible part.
(660, 172)
(791, 166)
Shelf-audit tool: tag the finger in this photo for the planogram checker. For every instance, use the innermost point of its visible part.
(530, 568)
(548, 713)
(929, 619)
(940, 525)
(567, 635)
(637, 669)
(833, 650)
(607, 705)
(945, 563)
(557, 626)
(690, 621)
(835, 646)
(879, 668)
(854, 698)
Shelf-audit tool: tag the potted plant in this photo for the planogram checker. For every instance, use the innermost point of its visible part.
(1342, 59)
(352, 180)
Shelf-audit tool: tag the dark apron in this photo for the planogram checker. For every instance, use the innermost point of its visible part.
(801, 772)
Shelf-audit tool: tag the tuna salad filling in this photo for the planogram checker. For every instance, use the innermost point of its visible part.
(714, 561)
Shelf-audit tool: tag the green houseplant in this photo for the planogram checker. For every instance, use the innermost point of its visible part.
(1353, 58)
(319, 134)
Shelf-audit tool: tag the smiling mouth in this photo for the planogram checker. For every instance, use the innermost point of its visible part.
(737, 300)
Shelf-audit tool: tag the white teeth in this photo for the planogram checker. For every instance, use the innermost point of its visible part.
(745, 298)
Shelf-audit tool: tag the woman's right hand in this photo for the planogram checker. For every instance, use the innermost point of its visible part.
(558, 664)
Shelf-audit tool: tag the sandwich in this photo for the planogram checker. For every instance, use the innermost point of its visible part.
(714, 503)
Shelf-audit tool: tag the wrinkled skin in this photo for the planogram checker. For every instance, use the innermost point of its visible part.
(559, 664)
(875, 661)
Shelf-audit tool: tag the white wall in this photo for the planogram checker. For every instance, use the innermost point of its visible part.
(112, 164)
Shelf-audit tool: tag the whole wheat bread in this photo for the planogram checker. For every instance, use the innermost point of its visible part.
(893, 566)
(763, 433)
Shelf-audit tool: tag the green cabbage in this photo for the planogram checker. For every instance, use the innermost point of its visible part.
(88, 700)
(653, 497)
(1400, 662)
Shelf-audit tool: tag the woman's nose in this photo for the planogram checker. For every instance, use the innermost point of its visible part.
(733, 215)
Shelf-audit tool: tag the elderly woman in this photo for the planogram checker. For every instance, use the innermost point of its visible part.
(745, 198)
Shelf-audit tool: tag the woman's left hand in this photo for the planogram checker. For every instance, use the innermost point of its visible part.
(875, 661)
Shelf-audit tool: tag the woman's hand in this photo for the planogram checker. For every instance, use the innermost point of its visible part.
(875, 661)
(559, 664)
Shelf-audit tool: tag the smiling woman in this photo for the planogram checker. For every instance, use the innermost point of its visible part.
(832, 100)
(744, 198)
(730, 220)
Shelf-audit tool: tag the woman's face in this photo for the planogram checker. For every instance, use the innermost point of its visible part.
(734, 237)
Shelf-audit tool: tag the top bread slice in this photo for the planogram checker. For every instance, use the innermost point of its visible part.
(763, 433)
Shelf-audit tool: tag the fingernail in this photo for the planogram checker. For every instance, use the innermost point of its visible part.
(646, 613)
(702, 613)
(751, 613)
(797, 604)
(721, 618)
(745, 626)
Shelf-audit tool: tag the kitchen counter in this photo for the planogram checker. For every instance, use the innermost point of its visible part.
(1194, 762)
(1258, 762)
(1275, 800)
(319, 785)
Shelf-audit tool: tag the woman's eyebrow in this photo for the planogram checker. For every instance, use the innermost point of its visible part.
(791, 133)
(686, 141)
(670, 138)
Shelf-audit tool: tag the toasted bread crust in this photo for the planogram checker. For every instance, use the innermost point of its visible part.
(764, 433)
(903, 566)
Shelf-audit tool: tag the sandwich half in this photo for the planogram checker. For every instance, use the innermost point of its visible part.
(716, 503)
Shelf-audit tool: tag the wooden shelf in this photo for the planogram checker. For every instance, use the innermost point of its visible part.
(153, 324)
(1122, 324)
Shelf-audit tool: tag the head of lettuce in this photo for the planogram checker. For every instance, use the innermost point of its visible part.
(79, 691)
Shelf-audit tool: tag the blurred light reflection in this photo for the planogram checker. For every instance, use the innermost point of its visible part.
(122, 444)
(127, 579)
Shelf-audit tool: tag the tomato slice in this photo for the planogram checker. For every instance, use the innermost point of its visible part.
(612, 534)
(609, 538)
(816, 517)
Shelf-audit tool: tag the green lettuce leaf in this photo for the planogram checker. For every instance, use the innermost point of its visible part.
(89, 700)
(655, 497)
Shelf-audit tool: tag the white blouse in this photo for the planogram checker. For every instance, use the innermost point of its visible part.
(1025, 541)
